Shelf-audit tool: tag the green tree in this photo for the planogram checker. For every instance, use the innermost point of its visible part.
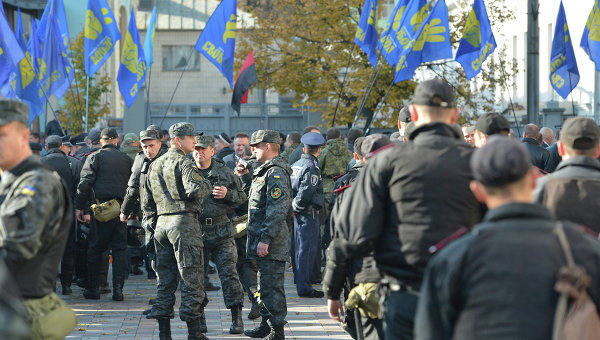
(72, 112)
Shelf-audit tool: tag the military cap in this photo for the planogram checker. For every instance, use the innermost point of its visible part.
(492, 123)
(109, 133)
(501, 161)
(312, 139)
(224, 137)
(130, 138)
(34, 146)
(434, 92)
(580, 133)
(66, 140)
(204, 141)
(157, 129)
(79, 139)
(357, 146)
(267, 136)
(373, 143)
(148, 134)
(13, 111)
(183, 129)
(404, 115)
(94, 136)
(53, 141)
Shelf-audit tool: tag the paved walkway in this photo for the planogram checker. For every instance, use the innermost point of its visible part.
(108, 319)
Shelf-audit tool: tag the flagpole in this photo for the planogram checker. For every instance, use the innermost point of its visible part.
(148, 92)
(571, 87)
(87, 102)
(342, 86)
(79, 108)
(368, 129)
(176, 86)
(367, 92)
(510, 100)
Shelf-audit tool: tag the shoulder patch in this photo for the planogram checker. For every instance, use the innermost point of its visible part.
(314, 179)
(276, 176)
(28, 190)
(275, 193)
(196, 176)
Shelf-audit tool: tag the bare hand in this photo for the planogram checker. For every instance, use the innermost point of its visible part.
(262, 249)
(83, 218)
(123, 218)
(219, 192)
(241, 170)
(336, 310)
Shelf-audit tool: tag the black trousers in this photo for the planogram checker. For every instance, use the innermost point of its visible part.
(246, 268)
(399, 315)
(67, 264)
(104, 236)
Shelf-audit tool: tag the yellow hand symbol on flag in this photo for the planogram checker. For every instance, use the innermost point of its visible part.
(371, 20)
(397, 18)
(432, 32)
(230, 28)
(129, 57)
(107, 18)
(472, 32)
(593, 23)
(27, 73)
(1, 51)
(93, 27)
(419, 17)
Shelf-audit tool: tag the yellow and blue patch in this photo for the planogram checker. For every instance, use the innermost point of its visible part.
(28, 190)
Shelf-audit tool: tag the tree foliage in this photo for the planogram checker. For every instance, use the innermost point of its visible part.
(306, 49)
(72, 112)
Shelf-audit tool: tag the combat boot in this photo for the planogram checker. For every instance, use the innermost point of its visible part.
(194, 332)
(164, 329)
(237, 325)
(92, 294)
(260, 331)
(118, 289)
(202, 322)
(255, 309)
(277, 333)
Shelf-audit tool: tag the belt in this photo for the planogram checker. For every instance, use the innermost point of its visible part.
(213, 220)
(186, 213)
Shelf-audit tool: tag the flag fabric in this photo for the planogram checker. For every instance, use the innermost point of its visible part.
(56, 71)
(246, 77)
(564, 74)
(27, 84)
(101, 34)
(149, 40)
(217, 40)
(10, 51)
(132, 71)
(590, 41)
(431, 42)
(61, 18)
(8, 90)
(402, 28)
(366, 35)
(477, 42)
(19, 32)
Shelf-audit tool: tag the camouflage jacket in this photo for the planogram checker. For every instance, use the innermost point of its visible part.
(288, 151)
(269, 202)
(174, 186)
(131, 151)
(333, 161)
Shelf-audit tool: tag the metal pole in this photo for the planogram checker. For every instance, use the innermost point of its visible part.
(342, 87)
(533, 67)
(176, 87)
(596, 96)
(87, 103)
(368, 129)
(367, 92)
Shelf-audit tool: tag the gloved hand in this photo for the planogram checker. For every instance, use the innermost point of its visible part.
(364, 297)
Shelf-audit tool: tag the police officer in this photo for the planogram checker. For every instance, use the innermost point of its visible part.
(104, 178)
(35, 216)
(268, 236)
(217, 230)
(174, 190)
(307, 188)
(409, 198)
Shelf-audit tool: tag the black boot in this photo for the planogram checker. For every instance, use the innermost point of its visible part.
(92, 292)
(194, 332)
(237, 325)
(260, 331)
(276, 334)
(164, 329)
(118, 289)
(202, 322)
(255, 309)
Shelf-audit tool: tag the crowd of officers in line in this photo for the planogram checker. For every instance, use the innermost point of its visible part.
(434, 233)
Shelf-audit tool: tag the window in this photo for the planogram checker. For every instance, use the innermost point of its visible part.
(175, 58)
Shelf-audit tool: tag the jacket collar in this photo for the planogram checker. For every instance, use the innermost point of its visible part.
(517, 210)
(55, 150)
(582, 161)
(530, 141)
(109, 146)
(308, 156)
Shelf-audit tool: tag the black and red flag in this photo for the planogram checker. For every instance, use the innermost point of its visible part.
(245, 78)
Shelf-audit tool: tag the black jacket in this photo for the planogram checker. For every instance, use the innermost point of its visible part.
(553, 158)
(307, 185)
(571, 192)
(106, 171)
(408, 199)
(226, 151)
(67, 167)
(497, 282)
(539, 156)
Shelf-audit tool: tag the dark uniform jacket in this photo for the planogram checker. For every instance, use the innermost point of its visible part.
(572, 191)
(295, 155)
(106, 172)
(539, 156)
(35, 217)
(269, 201)
(409, 198)
(553, 158)
(224, 152)
(68, 168)
(497, 282)
(307, 185)
(84, 152)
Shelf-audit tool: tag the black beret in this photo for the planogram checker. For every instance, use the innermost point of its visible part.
(501, 161)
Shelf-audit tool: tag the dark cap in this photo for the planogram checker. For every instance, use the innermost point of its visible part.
(94, 136)
(183, 129)
(130, 138)
(580, 133)
(53, 141)
(79, 139)
(501, 161)
(33, 145)
(357, 145)
(267, 136)
(492, 123)
(156, 128)
(148, 134)
(224, 137)
(374, 142)
(13, 111)
(404, 115)
(109, 133)
(312, 139)
(66, 140)
(204, 141)
(434, 92)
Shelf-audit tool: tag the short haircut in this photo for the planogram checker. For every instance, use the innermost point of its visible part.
(312, 149)
(36, 135)
(294, 137)
(241, 135)
(531, 131)
(546, 132)
(435, 111)
(353, 134)
(309, 129)
(333, 133)
(576, 152)
(275, 146)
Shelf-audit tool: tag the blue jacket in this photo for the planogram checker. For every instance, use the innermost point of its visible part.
(307, 185)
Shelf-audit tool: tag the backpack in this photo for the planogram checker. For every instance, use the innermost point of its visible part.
(576, 315)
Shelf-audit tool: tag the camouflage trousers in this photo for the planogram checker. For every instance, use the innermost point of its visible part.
(272, 293)
(178, 241)
(224, 254)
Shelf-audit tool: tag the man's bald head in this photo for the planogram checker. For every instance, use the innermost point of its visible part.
(531, 131)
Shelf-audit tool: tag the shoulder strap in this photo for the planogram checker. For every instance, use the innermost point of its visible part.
(564, 243)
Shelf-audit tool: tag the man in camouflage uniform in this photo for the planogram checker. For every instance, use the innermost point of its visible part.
(268, 235)
(174, 190)
(291, 143)
(218, 232)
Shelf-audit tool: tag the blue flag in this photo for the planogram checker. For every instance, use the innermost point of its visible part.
(564, 74)
(149, 40)
(61, 18)
(132, 71)
(27, 84)
(19, 32)
(10, 51)
(431, 42)
(590, 41)
(8, 90)
(101, 34)
(477, 42)
(402, 29)
(366, 35)
(217, 40)
(56, 71)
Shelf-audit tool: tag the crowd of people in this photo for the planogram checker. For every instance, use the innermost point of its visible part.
(438, 231)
